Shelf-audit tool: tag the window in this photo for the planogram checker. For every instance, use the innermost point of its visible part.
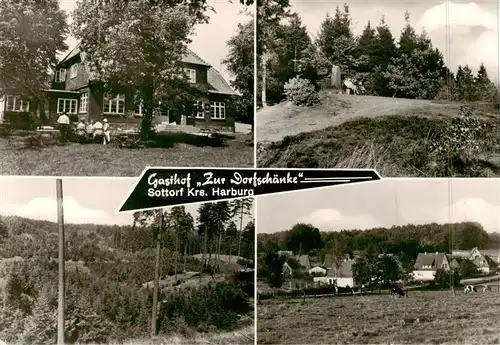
(426, 266)
(191, 74)
(199, 113)
(218, 110)
(73, 71)
(66, 105)
(113, 104)
(84, 102)
(15, 103)
(60, 75)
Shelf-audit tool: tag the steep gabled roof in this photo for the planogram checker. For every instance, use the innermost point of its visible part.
(304, 261)
(329, 260)
(434, 260)
(74, 52)
(217, 83)
(191, 57)
(344, 271)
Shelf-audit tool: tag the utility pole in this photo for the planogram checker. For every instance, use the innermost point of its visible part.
(156, 281)
(60, 220)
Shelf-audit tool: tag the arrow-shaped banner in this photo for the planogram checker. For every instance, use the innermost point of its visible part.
(161, 187)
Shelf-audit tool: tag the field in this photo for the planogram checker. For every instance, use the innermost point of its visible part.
(430, 317)
(98, 160)
(389, 134)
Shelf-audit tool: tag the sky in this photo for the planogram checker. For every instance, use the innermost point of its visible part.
(473, 25)
(384, 203)
(209, 40)
(86, 200)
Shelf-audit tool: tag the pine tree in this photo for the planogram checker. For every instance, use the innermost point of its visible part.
(419, 70)
(336, 41)
(41, 326)
(365, 52)
(465, 84)
(408, 38)
(484, 89)
(385, 49)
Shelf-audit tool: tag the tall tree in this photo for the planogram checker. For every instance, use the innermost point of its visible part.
(484, 89)
(464, 84)
(182, 223)
(139, 45)
(303, 238)
(212, 221)
(337, 42)
(248, 236)
(241, 208)
(418, 71)
(32, 34)
(385, 50)
(408, 38)
(365, 52)
(269, 15)
(240, 62)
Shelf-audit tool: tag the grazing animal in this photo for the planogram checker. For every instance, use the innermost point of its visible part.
(486, 288)
(470, 288)
(397, 291)
(348, 83)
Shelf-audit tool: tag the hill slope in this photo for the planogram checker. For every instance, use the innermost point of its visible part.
(389, 134)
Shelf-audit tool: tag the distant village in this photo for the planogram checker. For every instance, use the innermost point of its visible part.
(331, 271)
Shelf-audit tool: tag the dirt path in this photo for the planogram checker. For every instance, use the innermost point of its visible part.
(276, 122)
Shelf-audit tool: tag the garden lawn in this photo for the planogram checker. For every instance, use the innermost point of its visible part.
(99, 160)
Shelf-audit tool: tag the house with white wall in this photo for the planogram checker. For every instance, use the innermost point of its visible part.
(341, 275)
(427, 264)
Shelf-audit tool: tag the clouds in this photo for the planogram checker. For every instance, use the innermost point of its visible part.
(333, 219)
(473, 36)
(45, 208)
(466, 209)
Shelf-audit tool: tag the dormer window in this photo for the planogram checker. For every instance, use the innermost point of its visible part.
(73, 71)
(191, 74)
(60, 75)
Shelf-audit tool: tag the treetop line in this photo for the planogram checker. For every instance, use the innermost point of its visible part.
(410, 67)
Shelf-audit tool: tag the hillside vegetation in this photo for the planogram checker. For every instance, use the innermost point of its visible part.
(398, 137)
(107, 298)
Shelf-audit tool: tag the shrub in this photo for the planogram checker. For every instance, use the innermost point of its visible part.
(463, 137)
(217, 306)
(301, 92)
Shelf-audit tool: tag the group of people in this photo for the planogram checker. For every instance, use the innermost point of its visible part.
(93, 130)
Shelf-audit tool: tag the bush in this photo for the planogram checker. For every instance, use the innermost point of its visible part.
(301, 92)
(214, 306)
(463, 138)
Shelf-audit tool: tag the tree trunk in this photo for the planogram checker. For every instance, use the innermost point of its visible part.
(156, 281)
(220, 248)
(186, 253)
(264, 79)
(148, 105)
(176, 252)
(240, 233)
(41, 112)
(205, 252)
